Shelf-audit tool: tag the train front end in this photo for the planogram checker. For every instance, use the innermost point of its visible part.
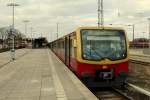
(102, 56)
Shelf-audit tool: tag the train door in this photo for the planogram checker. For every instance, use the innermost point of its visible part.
(67, 50)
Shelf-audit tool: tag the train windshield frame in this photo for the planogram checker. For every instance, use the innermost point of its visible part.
(100, 44)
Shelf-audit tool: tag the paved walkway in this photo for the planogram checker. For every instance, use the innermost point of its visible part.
(39, 75)
(5, 57)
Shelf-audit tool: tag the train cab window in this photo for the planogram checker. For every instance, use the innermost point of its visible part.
(103, 44)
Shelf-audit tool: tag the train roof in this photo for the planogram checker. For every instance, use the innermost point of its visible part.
(101, 27)
(93, 27)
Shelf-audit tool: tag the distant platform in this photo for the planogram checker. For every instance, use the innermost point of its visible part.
(139, 51)
(146, 51)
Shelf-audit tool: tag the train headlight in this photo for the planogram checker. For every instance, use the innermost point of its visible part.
(84, 55)
(104, 67)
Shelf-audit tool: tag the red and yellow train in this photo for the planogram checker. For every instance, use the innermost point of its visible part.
(97, 55)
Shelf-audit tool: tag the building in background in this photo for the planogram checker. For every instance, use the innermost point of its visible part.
(6, 41)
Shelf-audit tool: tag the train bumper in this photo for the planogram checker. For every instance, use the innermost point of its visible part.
(89, 82)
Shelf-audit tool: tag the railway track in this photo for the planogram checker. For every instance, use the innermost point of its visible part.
(139, 62)
(140, 59)
(129, 92)
(112, 94)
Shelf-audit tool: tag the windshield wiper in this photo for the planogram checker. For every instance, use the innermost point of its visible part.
(100, 56)
(92, 49)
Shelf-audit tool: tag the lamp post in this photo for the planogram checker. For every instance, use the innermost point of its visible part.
(25, 23)
(133, 29)
(13, 5)
(25, 26)
(149, 32)
(57, 29)
(32, 37)
(100, 13)
(143, 39)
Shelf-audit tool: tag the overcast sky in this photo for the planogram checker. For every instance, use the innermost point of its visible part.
(44, 14)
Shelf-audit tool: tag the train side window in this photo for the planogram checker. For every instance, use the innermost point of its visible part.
(74, 43)
(71, 49)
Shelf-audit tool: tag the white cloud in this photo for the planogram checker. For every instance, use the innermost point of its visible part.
(44, 14)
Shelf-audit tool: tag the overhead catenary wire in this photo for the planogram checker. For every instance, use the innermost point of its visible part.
(100, 13)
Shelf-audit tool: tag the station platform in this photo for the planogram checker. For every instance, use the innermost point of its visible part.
(138, 52)
(40, 75)
(5, 57)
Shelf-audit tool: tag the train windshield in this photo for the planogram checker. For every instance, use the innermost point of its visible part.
(103, 44)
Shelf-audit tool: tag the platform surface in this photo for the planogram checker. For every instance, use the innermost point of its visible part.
(39, 75)
(138, 52)
(5, 57)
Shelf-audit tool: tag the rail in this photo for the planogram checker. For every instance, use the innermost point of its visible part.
(128, 92)
(137, 93)
(139, 62)
(113, 94)
(140, 59)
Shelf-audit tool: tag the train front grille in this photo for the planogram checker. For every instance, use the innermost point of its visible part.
(103, 75)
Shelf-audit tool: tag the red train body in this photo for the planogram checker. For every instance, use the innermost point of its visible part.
(93, 70)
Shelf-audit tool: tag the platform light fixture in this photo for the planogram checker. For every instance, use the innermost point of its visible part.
(133, 30)
(57, 29)
(149, 33)
(25, 23)
(100, 13)
(13, 5)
